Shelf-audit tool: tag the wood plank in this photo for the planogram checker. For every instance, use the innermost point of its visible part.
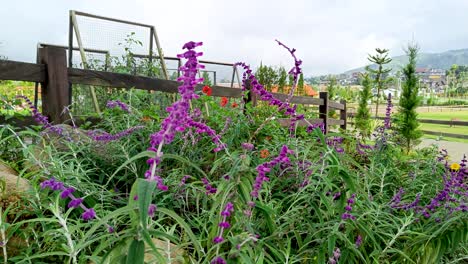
(299, 99)
(55, 92)
(335, 105)
(439, 122)
(445, 134)
(343, 114)
(334, 122)
(287, 121)
(22, 71)
(119, 80)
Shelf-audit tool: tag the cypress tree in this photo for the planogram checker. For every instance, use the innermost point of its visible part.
(363, 121)
(300, 85)
(283, 76)
(406, 121)
(206, 79)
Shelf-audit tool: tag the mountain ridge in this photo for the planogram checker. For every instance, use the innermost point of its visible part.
(442, 60)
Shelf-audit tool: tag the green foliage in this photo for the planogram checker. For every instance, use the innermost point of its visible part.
(407, 123)
(300, 85)
(332, 88)
(267, 76)
(363, 116)
(282, 79)
(380, 74)
(206, 79)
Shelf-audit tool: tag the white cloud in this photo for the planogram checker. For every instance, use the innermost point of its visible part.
(330, 35)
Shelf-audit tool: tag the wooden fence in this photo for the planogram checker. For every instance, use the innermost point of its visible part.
(431, 121)
(55, 78)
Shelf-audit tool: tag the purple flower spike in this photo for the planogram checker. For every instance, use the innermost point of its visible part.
(218, 260)
(358, 241)
(151, 210)
(218, 239)
(89, 214)
(247, 146)
(65, 193)
(119, 104)
(74, 203)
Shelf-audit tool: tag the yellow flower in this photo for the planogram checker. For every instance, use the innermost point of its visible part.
(455, 166)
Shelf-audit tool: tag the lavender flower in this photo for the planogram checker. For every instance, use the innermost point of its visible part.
(224, 224)
(151, 210)
(118, 104)
(208, 187)
(75, 202)
(349, 208)
(106, 137)
(218, 260)
(388, 112)
(43, 120)
(247, 146)
(358, 241)
(179, 119)
(336, 256)
(266, 167)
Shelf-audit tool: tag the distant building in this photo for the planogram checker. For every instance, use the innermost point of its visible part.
(432, 79)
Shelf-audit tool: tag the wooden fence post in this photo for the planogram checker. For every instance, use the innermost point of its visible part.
(343, 115)
(251, 97)
(55, 91)
(323, 110)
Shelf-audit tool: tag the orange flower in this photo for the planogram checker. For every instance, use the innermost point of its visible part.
(234, 105)
(146, 119)
(207, 90)
(264, 153)
(224, 101)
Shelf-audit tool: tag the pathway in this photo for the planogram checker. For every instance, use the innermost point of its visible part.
(456, 150)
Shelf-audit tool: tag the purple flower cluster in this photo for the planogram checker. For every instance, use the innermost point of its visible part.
(247, 146)
(118, 104)
(41, 119)
(183, 180)
(179, 118)
(218, 260)
(208, 187)
(388, 112)
(358, 241)
(349, 208)
(55, 185)
(296, 70)
(266, 167)
(452, 197)
(336, 256)
(363, 148)
(224, 224)
(107, 137)
(335, 142)
(264, 95)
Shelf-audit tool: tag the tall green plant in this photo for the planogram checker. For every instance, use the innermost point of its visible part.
(300, 85)
(363, 113)
(380, 59)
(332, 89)
(206, 79)
(283, 77)
(407, 123)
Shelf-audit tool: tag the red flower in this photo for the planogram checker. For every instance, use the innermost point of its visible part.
(207, 90)
(224, 101)
(234, 105)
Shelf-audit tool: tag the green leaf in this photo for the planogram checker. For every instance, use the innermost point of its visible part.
(145, 195)
(136, 252)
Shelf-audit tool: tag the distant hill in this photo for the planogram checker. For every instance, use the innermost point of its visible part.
(442, 60)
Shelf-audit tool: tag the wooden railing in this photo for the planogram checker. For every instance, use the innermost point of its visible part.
(55, 78)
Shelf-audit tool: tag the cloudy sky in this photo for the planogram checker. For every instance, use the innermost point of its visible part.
(331, 36)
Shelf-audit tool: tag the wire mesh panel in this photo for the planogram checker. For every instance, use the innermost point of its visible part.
(121, 43)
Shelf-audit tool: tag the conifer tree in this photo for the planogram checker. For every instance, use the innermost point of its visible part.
(406, 121)
(283, 77)
(363, 116)
(381, 58)
(300, 85)
(331, 89)
(206, 79)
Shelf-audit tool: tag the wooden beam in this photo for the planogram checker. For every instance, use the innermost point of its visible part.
(445, 134)
(299, 99)
(343, 115)
(287, 121)
(119, 80)
(323, 110)
(55, 92)
(336, 105)
(22, 71)
(334, 122)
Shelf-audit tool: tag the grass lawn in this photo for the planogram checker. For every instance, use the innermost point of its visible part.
(461, 115)
(463, 130)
